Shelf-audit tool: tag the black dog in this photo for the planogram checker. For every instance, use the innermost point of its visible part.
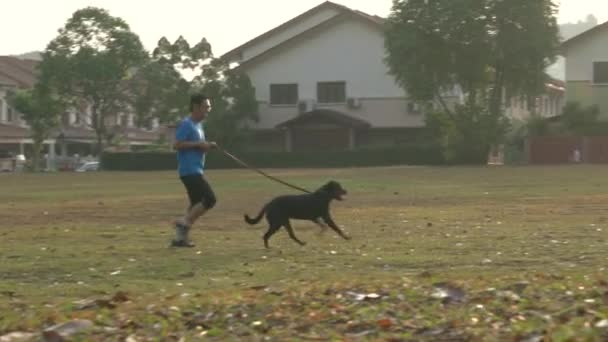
(311, 207)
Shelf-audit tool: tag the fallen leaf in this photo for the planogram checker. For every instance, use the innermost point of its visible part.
(508, 295)
(94, 304)
(385, 323)
(17, 337)
(259, 287)
(120, 297)
(448, 293)
(535, 337)
(62, 331)
(518, 287)
(602, 324)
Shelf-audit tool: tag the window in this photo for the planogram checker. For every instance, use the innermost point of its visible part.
(65, 119)
(600, 72)
(283, 94)
(411, 107)
(10, 116)
(151, 124)
(331, 92)
(121, 120)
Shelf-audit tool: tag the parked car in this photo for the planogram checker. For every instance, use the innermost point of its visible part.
(88, 167)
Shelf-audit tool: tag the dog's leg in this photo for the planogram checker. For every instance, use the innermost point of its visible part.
(321, 224)
(333, 226)
(292, 235)
(271, 230)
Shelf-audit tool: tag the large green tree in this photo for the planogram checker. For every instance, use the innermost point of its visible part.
(164, 92)
(42, 110)
(92, 59)
(233, 100)
(162, 88)
(484, 48)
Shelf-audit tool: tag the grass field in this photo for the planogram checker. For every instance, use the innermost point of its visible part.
(437, 254)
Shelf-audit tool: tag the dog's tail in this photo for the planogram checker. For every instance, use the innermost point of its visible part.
(257, 219)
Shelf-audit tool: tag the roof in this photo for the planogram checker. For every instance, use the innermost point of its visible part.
(7, 81)
(566, 45)
(85, 134)
(75, 133)
(137, 134)
(9, 131)
(310, 32)
(325, 116)
(21, 72)
(328, 4)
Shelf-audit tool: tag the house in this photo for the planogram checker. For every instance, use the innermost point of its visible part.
(15, 74)
(74, 136)
(548, 104)
(321, 83)
(587, 68)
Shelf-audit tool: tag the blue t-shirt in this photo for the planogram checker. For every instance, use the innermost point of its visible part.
(190, 161)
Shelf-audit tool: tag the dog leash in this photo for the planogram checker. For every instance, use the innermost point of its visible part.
(242, 163)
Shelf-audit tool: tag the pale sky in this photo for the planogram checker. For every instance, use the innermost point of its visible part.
(28, 25)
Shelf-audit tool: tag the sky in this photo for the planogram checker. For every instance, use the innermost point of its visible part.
(28, 25)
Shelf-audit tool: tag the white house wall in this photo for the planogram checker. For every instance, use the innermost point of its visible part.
(582, 54)
(380, 112)
(289, 32)
(351, 51)
(3, 106)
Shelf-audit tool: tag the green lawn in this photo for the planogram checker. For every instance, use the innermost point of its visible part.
(528, 248)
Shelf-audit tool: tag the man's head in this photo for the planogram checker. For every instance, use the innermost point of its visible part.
(200, 106)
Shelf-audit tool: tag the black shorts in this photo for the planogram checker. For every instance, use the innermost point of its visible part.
(199, 191)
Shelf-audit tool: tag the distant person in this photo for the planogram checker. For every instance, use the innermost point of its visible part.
(191, 148)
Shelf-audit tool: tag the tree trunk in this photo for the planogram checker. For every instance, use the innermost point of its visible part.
(36, 156)
(497, 91)
(444, 105)
(99, 127)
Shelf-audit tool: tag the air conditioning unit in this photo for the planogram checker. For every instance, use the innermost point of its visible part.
(354, 103)
(413, 108)
(305, 106)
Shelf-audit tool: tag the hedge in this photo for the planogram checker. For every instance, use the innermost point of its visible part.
(404, 155)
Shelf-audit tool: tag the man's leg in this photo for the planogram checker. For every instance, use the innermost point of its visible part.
(202, 198)
(182, 225)
(194, 213)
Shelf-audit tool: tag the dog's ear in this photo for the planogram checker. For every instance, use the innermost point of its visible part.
(327, 187)
(335, 187)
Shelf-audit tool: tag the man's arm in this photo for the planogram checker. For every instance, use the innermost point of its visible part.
(184, 141)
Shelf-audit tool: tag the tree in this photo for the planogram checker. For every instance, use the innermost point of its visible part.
(92, 59)
(484, 48)
(233, 100)
(579, 120)
(162, 89)
(164, 92)
(42, 112)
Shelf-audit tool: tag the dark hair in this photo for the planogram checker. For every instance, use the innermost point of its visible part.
(197, 99)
